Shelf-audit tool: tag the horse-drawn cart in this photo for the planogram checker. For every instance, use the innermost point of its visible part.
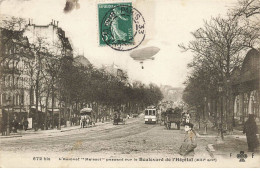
(118, 119)
(172, 116)
(86, 118)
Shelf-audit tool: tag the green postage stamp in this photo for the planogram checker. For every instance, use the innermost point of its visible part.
(120, 26)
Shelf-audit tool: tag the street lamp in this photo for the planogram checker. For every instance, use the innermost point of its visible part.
(8, 122)
(220, 90)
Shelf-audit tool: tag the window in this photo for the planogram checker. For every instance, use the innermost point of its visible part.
(255, 103)
(21, 82)
(4, 99)
(8, 81)
(17, 99)
(3, 81)
(146, 112)
(22, 99)
(17, 82)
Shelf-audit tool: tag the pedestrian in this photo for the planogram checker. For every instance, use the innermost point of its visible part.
(48, 121)
(79, 120)
(189, 143)
(250, 129)
(56, 122)
(25, 124)
(84, 122)
(15, 125)
(73, 120)
(3, 127)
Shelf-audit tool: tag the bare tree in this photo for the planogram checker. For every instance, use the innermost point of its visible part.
(219, 47)
(248, 8)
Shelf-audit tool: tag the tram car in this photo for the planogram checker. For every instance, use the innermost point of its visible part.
(150, 115)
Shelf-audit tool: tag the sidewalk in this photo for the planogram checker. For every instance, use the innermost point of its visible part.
(21, 133)
(230, 146)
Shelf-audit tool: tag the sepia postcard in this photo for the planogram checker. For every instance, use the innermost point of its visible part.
(130, 83)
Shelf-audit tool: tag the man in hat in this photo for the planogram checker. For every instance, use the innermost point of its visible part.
(189, 143)
(250, 129)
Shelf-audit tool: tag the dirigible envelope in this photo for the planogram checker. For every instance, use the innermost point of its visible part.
(144, 53)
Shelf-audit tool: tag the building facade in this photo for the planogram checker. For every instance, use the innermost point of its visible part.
(246, 88)
(14, 55)
(20, 51)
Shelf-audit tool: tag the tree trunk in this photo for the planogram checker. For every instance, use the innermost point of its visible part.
(46, 110)
(59, 122)
(37, 101)
(31, 101)
(215, 113)
(52, 106)
(66, 113)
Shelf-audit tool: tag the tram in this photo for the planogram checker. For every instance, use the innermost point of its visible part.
(150, 115)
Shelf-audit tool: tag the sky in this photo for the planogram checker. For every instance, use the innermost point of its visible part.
(168, 23)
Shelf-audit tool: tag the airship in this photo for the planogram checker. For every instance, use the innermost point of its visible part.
(144, 54)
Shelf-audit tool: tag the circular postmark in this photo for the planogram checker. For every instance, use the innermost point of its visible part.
(123, 28)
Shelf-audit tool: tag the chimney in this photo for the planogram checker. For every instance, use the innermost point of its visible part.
(29, 22)
(54, 22)
(57, 23)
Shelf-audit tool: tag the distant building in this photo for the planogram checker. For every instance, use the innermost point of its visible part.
(82, 60)
(50, 36)
(170, 93)
(116, 71)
